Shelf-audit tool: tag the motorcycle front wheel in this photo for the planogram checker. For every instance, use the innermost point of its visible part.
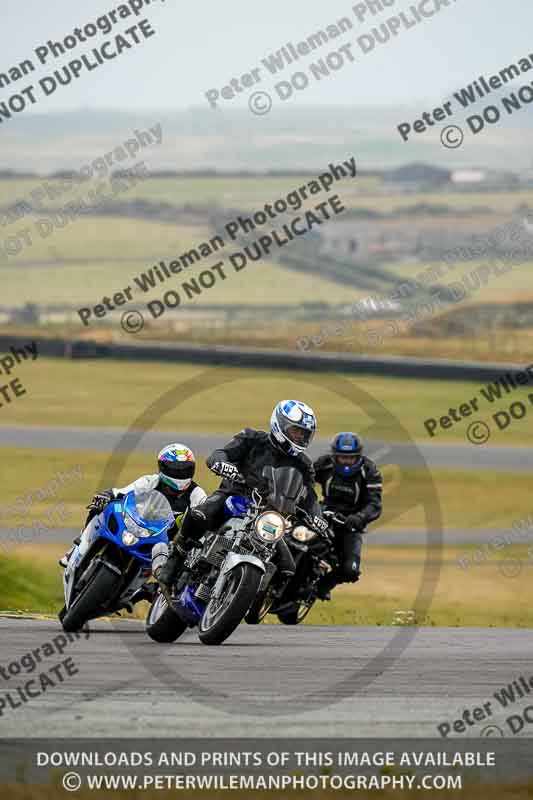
(162, 624)
(88, 603)
(223, 614)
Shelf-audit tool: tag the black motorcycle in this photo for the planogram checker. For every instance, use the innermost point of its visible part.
(292, 600)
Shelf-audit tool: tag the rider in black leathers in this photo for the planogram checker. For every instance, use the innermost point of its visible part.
(292, 428)
(352, 489)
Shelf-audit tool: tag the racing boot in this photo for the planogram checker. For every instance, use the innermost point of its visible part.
(169, 572)
(63, 561)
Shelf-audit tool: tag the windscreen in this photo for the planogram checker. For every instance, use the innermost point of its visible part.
(149, 509)
(286, 487)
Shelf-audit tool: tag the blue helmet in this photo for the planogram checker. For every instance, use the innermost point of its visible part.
(292, 426)
(347, 452)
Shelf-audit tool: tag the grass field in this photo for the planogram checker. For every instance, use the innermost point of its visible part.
(99, 256)
(392, 581)
(254, 192)
(95, 256)
(114, 394)
(467, 499)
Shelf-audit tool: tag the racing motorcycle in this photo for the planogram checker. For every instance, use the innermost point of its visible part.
(231, 567)
(291, 601)
(114, 557)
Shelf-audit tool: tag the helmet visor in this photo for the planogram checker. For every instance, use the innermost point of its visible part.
(347, 459)
(179, 470)
(299, 436)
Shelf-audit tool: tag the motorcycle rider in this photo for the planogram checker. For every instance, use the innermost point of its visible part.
(174, 480)
(292, 427)
(352, 498)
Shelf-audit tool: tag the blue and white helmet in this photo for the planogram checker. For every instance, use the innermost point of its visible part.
(292, 426)
(176, 466)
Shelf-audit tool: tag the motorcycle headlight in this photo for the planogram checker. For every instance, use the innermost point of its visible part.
(303, 534)
(136, 530)
(270, 527)
(129, 539)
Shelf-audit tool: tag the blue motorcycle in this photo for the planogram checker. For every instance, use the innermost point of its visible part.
(114, 556)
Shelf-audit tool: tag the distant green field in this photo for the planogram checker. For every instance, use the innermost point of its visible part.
(114, 393)
(254, 192)
(95, 256)
(101, 255)
(516, 284)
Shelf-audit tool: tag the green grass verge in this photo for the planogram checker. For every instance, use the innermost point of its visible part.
(113, 394)
(25, 586)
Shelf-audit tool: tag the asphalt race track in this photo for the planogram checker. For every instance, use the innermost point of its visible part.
(464, 456)
(265, 680)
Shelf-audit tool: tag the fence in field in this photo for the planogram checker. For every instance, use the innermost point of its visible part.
(252, 358)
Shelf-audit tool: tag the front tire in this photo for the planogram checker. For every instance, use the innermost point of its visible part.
(221, 618)
(88, 603)
(162, 624)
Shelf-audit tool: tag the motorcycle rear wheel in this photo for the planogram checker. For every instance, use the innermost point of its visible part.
(162, 624)
(294, 616)
(259, 609)
(88, 603)
(220, 619)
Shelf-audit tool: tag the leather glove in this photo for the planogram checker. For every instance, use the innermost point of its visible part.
(226, 470)
(355, 522)
(334, 516)
(101, 499)
(317, 523)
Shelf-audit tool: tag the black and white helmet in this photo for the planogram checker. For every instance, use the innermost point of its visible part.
(292, 426)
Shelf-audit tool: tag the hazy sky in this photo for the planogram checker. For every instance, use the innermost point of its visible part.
(201, 45)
